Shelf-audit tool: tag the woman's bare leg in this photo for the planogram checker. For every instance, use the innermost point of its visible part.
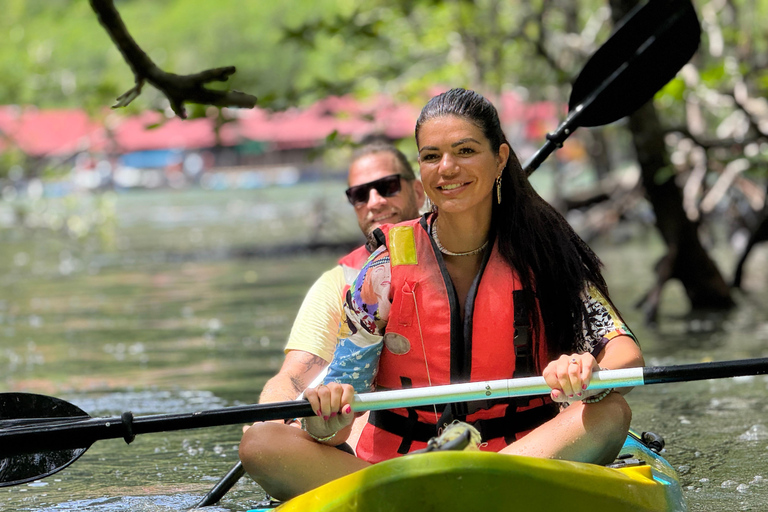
(286, 462)
(582, 433)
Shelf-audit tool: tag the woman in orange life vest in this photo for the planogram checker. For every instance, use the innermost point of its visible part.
(451, 280)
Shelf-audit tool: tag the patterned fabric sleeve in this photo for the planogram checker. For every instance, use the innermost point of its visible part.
(604, 321)
(361, 333)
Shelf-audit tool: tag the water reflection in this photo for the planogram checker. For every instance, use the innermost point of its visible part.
(157, 472)
(189, 312)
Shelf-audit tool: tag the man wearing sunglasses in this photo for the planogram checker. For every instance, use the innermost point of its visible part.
(383, 189)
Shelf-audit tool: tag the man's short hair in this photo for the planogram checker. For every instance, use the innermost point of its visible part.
(405, 168)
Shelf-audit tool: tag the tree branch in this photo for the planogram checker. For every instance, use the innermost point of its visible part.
(708, 144)
(177, 88)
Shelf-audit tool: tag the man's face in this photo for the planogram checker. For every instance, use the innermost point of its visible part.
(378, 209)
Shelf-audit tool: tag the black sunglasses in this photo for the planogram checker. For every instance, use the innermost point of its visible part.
(386, 187)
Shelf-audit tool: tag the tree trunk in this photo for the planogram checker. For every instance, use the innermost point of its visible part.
(757, 235)
(686, 258)
(597, 149)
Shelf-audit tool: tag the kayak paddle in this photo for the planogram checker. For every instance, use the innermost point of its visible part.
(646, 51)
(40, 435)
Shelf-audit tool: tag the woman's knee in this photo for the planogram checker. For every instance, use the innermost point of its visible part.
(611, 424)
(260, 444)
(619, 415)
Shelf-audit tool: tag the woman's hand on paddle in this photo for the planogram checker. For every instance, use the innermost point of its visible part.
(331, 402)
(569, 376)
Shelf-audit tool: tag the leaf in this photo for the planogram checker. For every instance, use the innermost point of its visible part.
(675, 89)
(713, 75)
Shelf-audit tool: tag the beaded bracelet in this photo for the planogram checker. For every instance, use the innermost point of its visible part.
(313, 436)
(595, 398)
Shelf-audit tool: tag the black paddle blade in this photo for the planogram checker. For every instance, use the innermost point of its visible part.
(645, 52)
(19, 409)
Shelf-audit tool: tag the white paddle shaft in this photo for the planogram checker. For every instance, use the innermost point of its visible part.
(488, 390)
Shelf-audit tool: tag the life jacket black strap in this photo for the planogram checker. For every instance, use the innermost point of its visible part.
(375, 239)
(524, 365)
(410, 429)
(452, 412)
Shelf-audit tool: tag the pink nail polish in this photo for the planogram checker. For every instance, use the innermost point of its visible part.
(347, 409)
(583, 386)
(325, 418)
(319, 412)
(333, 414)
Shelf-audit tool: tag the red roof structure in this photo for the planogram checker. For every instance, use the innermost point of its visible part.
(296, 128)
(48, 133)
(151, 131)
(62, 133)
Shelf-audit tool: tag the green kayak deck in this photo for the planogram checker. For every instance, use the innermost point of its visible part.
(641, 481)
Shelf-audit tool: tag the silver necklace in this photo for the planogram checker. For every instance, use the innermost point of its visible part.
(433, 232)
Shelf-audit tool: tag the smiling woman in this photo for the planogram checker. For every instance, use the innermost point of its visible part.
(493, 283)
(459, 172)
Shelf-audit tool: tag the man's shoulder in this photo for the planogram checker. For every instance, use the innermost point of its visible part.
(356, 258)
(333, 277)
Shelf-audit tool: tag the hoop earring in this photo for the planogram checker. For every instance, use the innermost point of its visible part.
(498, 189)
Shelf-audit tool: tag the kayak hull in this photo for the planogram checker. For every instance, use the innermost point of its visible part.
(484, 481)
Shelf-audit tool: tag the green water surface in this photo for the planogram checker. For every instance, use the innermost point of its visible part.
(162, 302)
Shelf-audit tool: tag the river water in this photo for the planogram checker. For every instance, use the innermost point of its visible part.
(165, 302)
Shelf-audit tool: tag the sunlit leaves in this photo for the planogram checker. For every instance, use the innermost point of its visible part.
(674, 91)
(713, 74)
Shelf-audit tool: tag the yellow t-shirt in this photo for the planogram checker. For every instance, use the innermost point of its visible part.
(317, 322)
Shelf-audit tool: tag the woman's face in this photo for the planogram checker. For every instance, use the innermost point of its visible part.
(458, 166)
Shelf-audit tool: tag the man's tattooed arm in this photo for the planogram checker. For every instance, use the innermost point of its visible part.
(297, 372)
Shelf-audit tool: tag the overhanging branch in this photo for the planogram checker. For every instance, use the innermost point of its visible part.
(177, 88)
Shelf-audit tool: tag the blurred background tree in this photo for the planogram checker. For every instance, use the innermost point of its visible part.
(701, 144)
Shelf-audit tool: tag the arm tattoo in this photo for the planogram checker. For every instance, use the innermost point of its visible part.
(313, 360)
(300, 381)
(298, 385)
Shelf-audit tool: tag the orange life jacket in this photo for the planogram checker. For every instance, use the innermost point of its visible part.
(355, 259)
(491, 343)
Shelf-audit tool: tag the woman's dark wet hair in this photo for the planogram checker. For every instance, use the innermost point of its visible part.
(531, 234)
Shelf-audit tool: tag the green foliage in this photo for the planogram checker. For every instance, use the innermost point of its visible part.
(673, 91)
(286, 53)
(60, 56)
(295, 52)
(713, 74)
(48, 61)
(11, 158)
